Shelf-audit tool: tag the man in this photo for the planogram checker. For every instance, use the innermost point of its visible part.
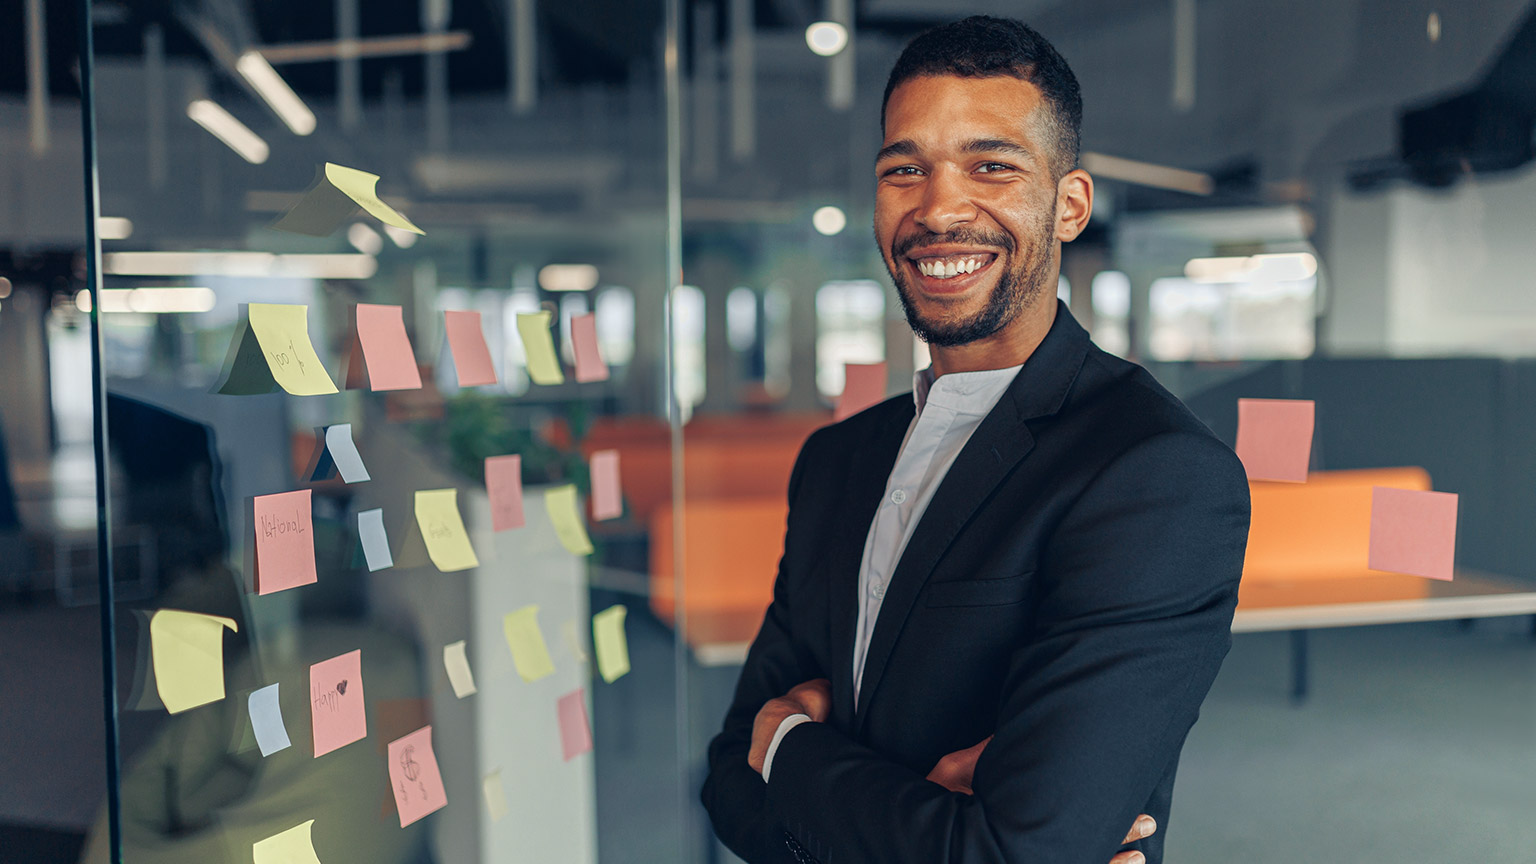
(997, 612)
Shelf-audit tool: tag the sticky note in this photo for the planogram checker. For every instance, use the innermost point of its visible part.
(282, 331)
(608, 638)
(337, 714)
(1413, 532)
(335, 195)
(1274, 438)
(495, 796)
(285, 541)
(589, 360)
(370, 531)
(437, 514)
(529, 653)
(572, 639)
(863, 386)
(267, 720)
(504, 486)
(607, 499)
(539, 348)
(414, 776)
(456, 661)
(565, 512)
(343, 451)
(294, 846)
(466, 341)
(387, 350)
(188, 656)
(575, 731)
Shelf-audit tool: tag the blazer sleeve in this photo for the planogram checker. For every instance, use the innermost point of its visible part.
(735, 795)
(1134, 610)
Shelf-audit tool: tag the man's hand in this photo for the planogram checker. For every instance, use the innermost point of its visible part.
(813, 699)
(954, 772)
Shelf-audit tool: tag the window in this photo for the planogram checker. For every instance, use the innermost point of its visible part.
(616, 325)
(1111, 295)
(1252, 319)
(688, 348)
(850, 328)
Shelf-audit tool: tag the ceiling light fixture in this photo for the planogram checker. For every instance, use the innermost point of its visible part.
(271, 87)
(568, 277)
(826, 37)
(114, 228)
(246, 264)
(223, 126)
(829, 220)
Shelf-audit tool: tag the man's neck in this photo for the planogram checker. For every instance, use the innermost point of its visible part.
(1010, 346)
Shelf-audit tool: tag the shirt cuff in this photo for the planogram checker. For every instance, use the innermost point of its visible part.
(785, 725)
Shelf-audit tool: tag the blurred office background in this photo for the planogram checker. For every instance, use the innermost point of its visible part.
(1315, 200)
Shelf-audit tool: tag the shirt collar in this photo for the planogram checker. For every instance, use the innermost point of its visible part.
(966, 392)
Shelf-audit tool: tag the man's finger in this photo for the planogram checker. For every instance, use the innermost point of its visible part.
(1131, 857)
(1144, 826)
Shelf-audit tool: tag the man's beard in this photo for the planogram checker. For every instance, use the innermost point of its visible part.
(1019, 287)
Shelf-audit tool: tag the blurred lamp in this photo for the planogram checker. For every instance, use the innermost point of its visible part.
(403, 238)
(568, 277)
(114, 228)
(826, 37)
(273, 90)
(365, 239)
(149, 300)
(829, 220)
(226, 128)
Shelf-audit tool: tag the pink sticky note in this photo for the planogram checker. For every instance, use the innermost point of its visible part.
(589, 361)
(285, 541)
(1274, 438)
(1413, 532)
(471, 357)
(575, 731)
(414, 776)
(504, 486)
(336, 702)
(863, 386)
(607, 500)
(386, 349)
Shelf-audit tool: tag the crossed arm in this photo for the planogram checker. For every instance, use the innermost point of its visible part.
(1139, 585)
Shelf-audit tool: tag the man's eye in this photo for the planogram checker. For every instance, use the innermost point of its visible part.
(902, 171)
(993, 167)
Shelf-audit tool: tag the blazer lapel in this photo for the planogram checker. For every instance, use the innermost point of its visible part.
(868, 472)
(997, 445)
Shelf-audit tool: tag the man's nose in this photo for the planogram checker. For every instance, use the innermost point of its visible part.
(946, 203)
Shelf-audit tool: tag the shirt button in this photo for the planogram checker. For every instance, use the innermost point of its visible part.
(877, 590)
(899, 496)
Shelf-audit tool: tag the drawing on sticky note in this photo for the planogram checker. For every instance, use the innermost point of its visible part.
(188, 657)
(285, 541)
(414, 776)
(337, 713)
(334, 197)
(442, 529)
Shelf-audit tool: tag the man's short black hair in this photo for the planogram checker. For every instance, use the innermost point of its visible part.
(984, 47)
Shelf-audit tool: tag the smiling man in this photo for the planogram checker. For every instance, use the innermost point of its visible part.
(1004, 596)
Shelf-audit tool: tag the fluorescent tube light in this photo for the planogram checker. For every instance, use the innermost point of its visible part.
(149, 300)
(1148, 174)
(248, 264)
(114, 228)
(226, 128)
(255, 69)
(568, 277)
(365, 239)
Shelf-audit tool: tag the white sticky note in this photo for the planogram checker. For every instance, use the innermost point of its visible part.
(370, 530)
(456, 661)
(349, 462)
(267, 720)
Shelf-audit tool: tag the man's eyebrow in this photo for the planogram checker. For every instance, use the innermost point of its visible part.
(904, 147)
(997, 145)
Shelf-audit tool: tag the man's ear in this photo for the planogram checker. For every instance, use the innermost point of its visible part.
(1074, 204)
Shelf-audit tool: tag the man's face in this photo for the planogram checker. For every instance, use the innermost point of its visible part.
(965, 206)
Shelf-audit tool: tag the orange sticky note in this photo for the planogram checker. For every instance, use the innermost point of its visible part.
(386, 349)
(504, 486)
(607, 499)
(863, 386)
(337, 715)
(1413, 532)
(471, 357)
(1274, 438)
(589, 361)
(414, 776)
(575, 731)
(285, 541)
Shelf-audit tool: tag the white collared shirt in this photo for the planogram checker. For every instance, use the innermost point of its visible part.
(949, 408)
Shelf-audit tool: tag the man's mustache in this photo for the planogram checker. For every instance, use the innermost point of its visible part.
(962, 237)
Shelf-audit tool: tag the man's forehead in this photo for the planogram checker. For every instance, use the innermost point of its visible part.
(994, 107)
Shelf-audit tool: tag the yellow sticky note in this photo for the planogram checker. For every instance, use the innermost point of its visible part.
(359, 186)
(293, 846)
(437, 514)
(539, 348)
(529, 653)
(565, 512)
(495, 796)
(188, 649)
(283, 332)
(612, 647)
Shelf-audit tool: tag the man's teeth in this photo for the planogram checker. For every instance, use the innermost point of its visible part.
(946, 268)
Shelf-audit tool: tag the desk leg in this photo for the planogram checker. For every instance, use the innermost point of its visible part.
(1298, 667)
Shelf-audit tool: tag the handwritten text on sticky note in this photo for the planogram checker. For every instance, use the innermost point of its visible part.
(338, 714)
(285, 541)
(437, 515)
(414, 776)
(283, 333)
